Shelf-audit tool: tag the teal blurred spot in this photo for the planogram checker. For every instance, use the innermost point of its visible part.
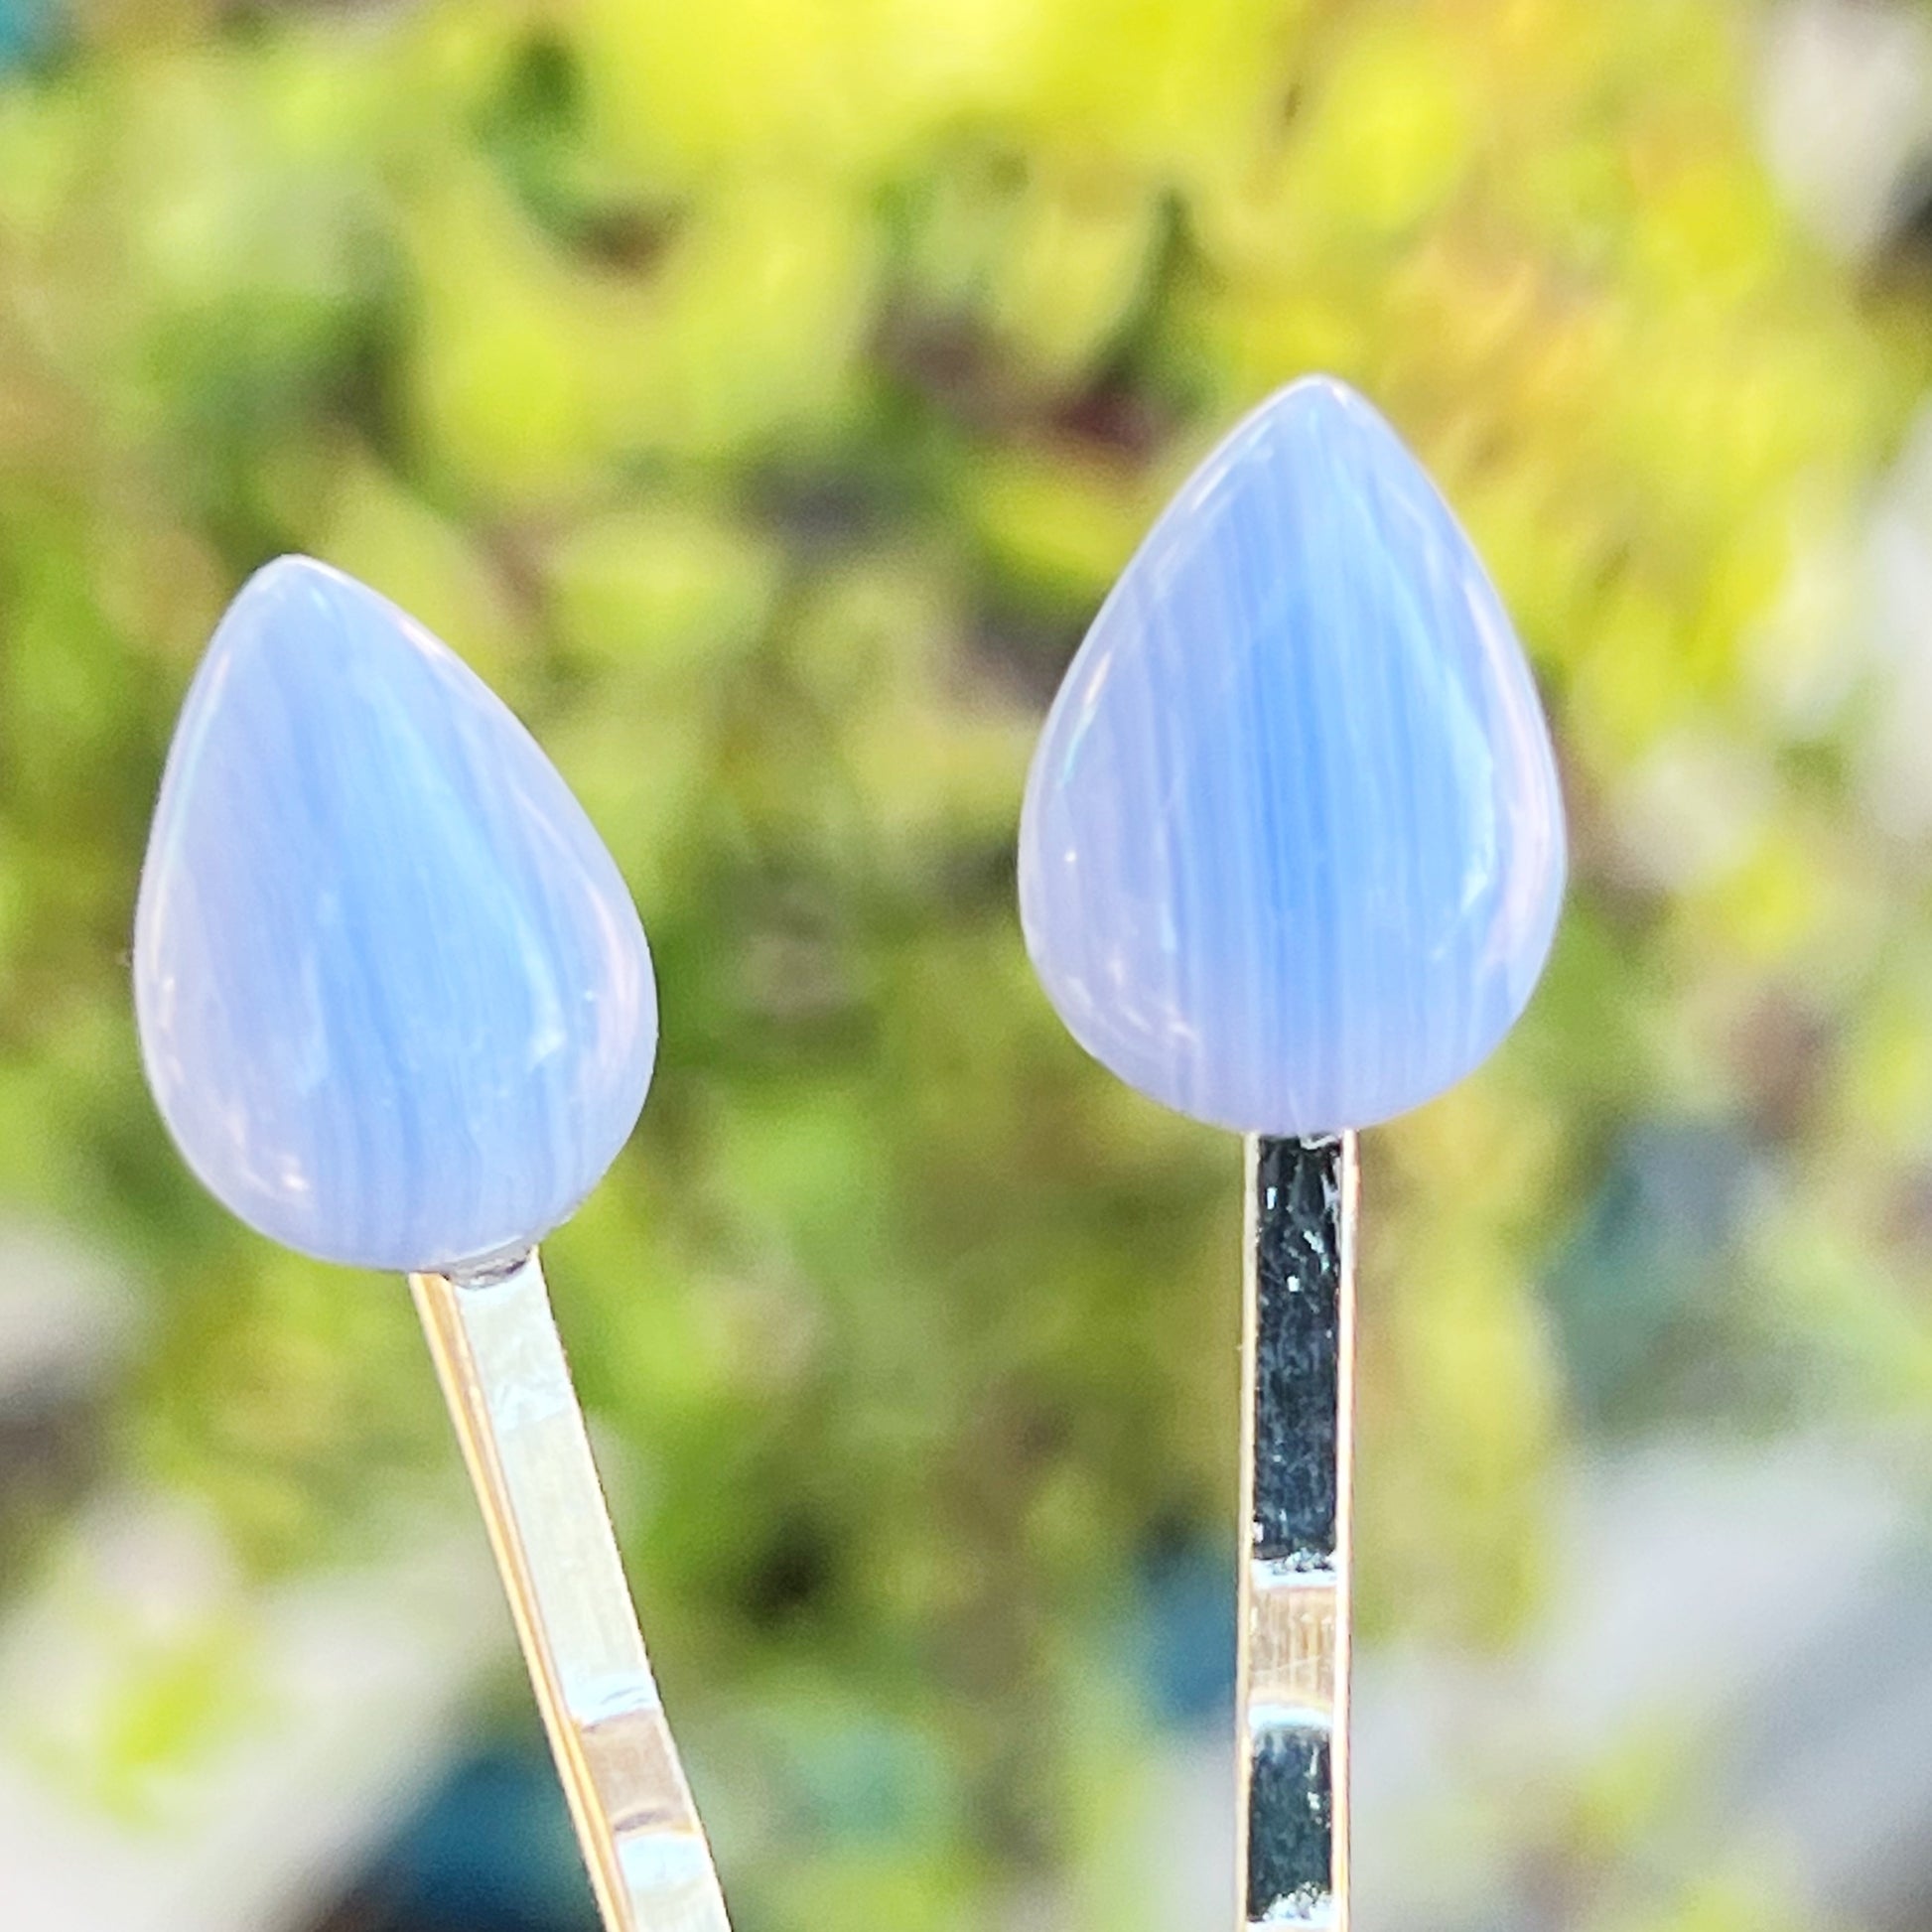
(26, 32)
(1637, 1291)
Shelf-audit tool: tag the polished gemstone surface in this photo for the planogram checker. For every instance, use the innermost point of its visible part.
(1292, 849)
(394, 999)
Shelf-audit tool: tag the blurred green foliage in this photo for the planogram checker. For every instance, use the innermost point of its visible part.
(762, 394)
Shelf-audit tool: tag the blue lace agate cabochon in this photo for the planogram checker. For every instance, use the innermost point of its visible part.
(1293, 849)
(394, 1000)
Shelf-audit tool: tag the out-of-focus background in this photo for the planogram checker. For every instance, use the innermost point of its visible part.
(761, 394)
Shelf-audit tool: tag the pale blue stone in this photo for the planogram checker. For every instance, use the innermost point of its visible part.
(1293, 847)
(394, 1000)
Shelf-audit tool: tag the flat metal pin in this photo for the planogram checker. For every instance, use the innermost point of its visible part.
(502, 1365)
(1298, 1439)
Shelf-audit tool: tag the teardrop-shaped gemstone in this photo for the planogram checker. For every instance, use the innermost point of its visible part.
(394, 1000)
(1293, 847)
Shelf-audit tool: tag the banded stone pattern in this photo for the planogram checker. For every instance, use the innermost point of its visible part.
(1292, 848)
(1294, 1653)
(508, 1387)
(394, 1000)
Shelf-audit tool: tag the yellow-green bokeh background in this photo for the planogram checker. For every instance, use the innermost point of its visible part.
(761, 394)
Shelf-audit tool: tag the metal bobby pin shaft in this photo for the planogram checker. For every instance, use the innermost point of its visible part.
(1297, 1413)
(510, 1393)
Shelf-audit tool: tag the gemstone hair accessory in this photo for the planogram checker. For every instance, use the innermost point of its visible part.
(397, 1011)
(1291, 861)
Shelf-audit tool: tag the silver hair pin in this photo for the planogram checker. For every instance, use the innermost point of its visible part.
(1290, 862)
(397, 1011)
